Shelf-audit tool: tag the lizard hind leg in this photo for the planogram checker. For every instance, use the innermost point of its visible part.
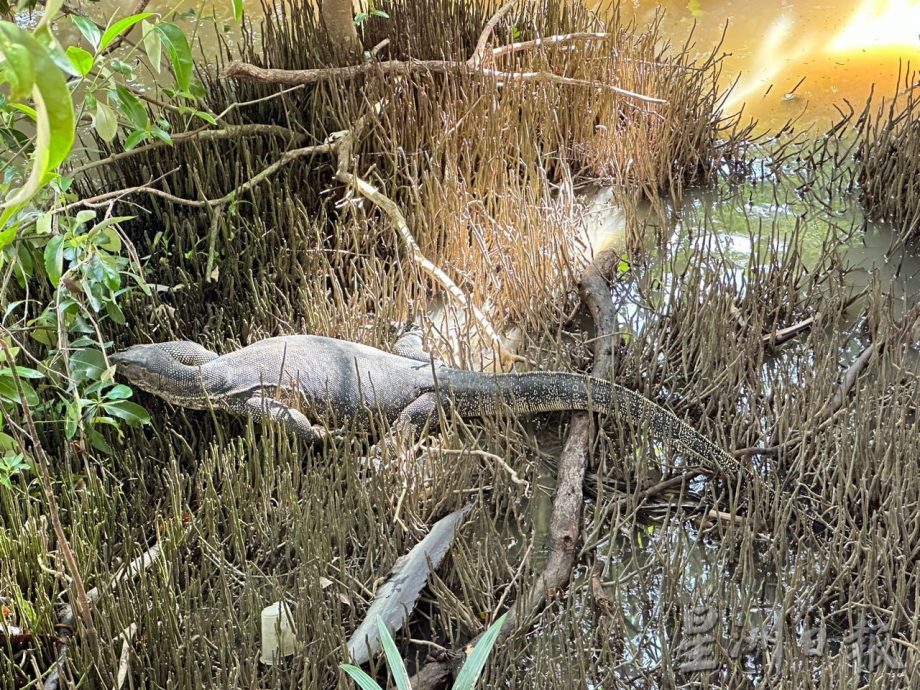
(397, 447)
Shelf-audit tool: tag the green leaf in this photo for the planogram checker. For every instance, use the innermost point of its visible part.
(238, 10)
(120, 27)
(29, 112)
(81, 59)
(9, 392)
(28, 373)
(105, 121)
(153, 46)
(394, 659)
(180, 53)
(72, 419)
(136, 138)
(471, 670)
(207, 117)
(118, 392)
(98, 442)
(87, 365)
(54, 113)
(84, 216)
(161, 135)
(364, 681)
(88, 28)
(18, 69)
(54, 259)
(43, 225)
(131, 107)
(7, 236)
(132, 413)
(115, 313)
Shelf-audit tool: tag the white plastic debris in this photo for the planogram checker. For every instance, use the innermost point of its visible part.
(277, 633)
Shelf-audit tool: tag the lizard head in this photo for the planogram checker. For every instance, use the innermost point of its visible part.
(148, 367)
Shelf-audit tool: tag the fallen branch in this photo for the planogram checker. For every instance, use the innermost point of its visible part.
(783, 335)
(245, 71)
(473, 66)
(201, 134)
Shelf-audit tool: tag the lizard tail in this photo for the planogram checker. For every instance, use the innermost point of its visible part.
(534, 392)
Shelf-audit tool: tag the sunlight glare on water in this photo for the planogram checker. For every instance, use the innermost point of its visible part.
(836, 49)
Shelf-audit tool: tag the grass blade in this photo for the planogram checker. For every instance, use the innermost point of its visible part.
(471, 670)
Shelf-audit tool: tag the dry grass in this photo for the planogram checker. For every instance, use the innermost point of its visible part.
(485, 174)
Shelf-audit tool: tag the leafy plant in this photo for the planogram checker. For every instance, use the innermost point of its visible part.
(71, 262)
(372, 11)
(466, 680)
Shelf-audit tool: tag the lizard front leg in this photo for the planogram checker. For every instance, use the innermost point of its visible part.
(261, 407)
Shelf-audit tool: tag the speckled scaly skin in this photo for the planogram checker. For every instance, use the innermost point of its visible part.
(298, 378)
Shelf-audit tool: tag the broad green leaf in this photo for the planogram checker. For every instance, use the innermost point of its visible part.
(28, 373)
(81, 59)
(54, 125)
(136, 138)
(113, 241)
(84, 216)
(364, 681)
(109, 240)
(26, 110)
(87, 365)
(9, 392)
(153, 45)
(118, 392)
(17, 68)
(207, 117)
(161, 135)
(98, 442)
(472, 668)
(394, 659)
(132, 413)
(72, 419)
(131, 107)
(120, 27)
(88, 28)
(54, 259)
(105, 121)
(7, 236)
(180, 53)
(238, 10)
(115, 313)
(44, 224)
